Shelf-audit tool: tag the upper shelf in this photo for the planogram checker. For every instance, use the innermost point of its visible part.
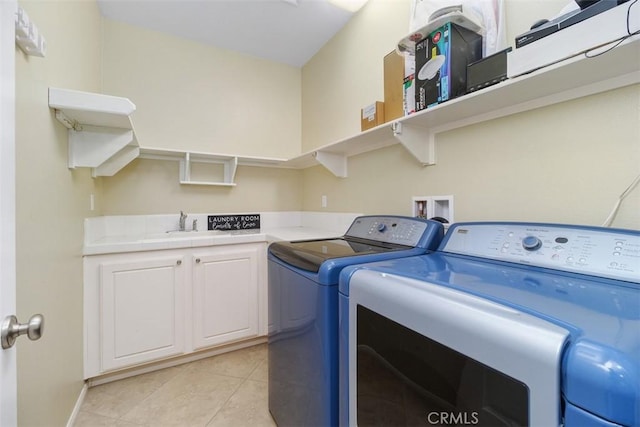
(101, 134)
(572, 78)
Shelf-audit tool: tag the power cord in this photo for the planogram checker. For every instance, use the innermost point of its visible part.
(618, 42)
(616, 207)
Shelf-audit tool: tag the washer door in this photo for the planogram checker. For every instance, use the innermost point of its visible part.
(310, 254)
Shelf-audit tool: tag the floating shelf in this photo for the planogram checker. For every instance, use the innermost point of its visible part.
(188, 158)
(101, 134)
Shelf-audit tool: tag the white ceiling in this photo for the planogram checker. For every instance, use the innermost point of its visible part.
(287, 31)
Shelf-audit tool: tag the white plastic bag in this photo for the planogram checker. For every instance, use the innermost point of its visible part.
(490, 13)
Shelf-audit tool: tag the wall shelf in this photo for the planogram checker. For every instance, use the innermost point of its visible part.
(101, 134)
(570, 79)
(187, 159)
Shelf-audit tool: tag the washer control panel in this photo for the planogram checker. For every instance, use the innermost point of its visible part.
(390, 229)
(595, 251)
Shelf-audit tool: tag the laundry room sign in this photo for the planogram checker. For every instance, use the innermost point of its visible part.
(233, 222)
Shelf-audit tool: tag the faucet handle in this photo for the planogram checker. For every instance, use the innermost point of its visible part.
(183, 218)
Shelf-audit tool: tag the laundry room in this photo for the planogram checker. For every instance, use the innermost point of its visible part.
(217, 138)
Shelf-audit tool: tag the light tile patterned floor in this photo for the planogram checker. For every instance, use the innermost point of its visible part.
(225, 390)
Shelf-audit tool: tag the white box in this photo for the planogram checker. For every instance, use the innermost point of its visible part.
(608, 26)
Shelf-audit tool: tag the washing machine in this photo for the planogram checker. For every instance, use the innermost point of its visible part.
(505, 324)
(303, 310)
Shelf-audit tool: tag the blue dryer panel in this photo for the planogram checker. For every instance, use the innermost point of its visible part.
(601, 364)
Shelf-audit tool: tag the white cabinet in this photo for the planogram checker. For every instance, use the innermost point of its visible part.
(225, 294)
(143, 307)
(141, 310)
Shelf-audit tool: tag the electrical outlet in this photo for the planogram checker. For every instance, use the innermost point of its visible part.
(323, 201)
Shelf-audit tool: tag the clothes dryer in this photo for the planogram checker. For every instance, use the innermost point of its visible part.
(505, 324)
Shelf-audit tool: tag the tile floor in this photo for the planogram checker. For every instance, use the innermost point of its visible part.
(225, 390)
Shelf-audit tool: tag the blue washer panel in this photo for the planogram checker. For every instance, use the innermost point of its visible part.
(302, 345)
(303, 322)
(303, 339)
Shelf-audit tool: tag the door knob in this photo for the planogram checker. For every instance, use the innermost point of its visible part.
(12, 329)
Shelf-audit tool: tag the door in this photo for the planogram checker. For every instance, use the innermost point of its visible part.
(8, 400)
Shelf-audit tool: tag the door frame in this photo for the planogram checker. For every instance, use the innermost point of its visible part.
(8, 376)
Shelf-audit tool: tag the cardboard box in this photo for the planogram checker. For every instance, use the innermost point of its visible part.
(409, 84)
(393, 86)
(372, 115)
(409, 95)
(441, 64)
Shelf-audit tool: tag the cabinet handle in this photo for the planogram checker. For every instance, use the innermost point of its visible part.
(197, 260)
(179, 262)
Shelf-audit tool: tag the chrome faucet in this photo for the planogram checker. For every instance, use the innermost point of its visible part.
(195, 225)
(183, 219)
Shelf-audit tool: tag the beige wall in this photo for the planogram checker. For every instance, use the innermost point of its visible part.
(51, 204)
(346, 74)
(557, 164)
(191, 96)
(564, 163)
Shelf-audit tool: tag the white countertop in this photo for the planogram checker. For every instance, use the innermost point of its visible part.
(129, 239)
(137, 243)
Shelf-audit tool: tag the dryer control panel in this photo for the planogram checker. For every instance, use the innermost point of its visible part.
(595, 251)
(397, 230)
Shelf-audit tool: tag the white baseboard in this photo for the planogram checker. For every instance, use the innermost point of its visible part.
(78, 405)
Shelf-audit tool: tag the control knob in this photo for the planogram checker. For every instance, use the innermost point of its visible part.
(531, 243)
(382, 228)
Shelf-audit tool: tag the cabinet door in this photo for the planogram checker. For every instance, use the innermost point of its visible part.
(142, 310)
(225, 294)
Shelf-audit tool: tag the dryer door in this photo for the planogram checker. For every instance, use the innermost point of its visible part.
(424, 354)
